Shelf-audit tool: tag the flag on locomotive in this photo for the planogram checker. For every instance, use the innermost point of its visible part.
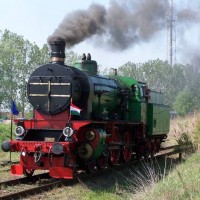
(14, 109)
(74, 110)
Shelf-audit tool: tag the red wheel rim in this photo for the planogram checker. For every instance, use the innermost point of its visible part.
(127, 152)
(114, 157)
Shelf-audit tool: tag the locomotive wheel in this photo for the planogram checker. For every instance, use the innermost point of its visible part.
(114, 157)
(127, 152)
(90, 166)
(140, 151)
(145, 149)
(149, 149)
(28, 172)
(102, 162)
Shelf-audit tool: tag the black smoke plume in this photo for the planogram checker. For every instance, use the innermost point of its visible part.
(80, 25)
(121, 25)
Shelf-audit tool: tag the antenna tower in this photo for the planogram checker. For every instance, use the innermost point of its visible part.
(171, 35)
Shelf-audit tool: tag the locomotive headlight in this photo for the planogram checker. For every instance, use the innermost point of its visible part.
(68, 131)
(19, 131)
(90, 135)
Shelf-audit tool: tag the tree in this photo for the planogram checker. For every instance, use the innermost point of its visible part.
(130, 69)
(183, 103)
(18, 58)
(192, 75)
(71, 58)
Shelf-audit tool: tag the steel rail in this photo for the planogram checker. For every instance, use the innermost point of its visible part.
(24, 180)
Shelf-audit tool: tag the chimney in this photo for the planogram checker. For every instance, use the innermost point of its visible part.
(57, 52)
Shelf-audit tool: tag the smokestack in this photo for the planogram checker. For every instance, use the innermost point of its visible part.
(57, 51)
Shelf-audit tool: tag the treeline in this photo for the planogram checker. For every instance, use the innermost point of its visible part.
(19, 57)
(179, 83)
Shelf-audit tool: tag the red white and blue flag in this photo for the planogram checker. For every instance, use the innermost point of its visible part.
(74, 110)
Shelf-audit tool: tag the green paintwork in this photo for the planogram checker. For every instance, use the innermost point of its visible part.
(135, 108)
(156, 97)
(158, 119)
(135, 111)
(106, 98)
(100, 147)
(152, 113)
(128, 82)
(89, 66)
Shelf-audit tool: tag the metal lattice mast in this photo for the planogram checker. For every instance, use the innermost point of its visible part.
(171, 35)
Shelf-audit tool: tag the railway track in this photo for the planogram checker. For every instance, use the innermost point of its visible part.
(41, 186)
(24, 180)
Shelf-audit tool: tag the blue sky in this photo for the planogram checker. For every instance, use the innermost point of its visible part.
(35, 20)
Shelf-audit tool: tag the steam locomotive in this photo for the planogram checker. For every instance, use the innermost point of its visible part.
(85, 121)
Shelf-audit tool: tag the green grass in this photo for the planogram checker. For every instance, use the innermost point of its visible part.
(83, 191)
(183, 182)
(5, 135)
(102, 194)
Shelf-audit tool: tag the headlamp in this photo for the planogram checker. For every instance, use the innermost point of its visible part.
(19, 131)
(68, 131)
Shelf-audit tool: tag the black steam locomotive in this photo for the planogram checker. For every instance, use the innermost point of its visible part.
(85, 121)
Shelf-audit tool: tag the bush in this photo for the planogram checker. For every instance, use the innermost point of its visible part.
(183, 103)
(186, 144)
(4, 132)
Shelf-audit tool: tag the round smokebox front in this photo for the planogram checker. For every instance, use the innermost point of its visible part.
(49, 88)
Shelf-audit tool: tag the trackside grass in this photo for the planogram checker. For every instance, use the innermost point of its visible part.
(5, 135)
(183, 182)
